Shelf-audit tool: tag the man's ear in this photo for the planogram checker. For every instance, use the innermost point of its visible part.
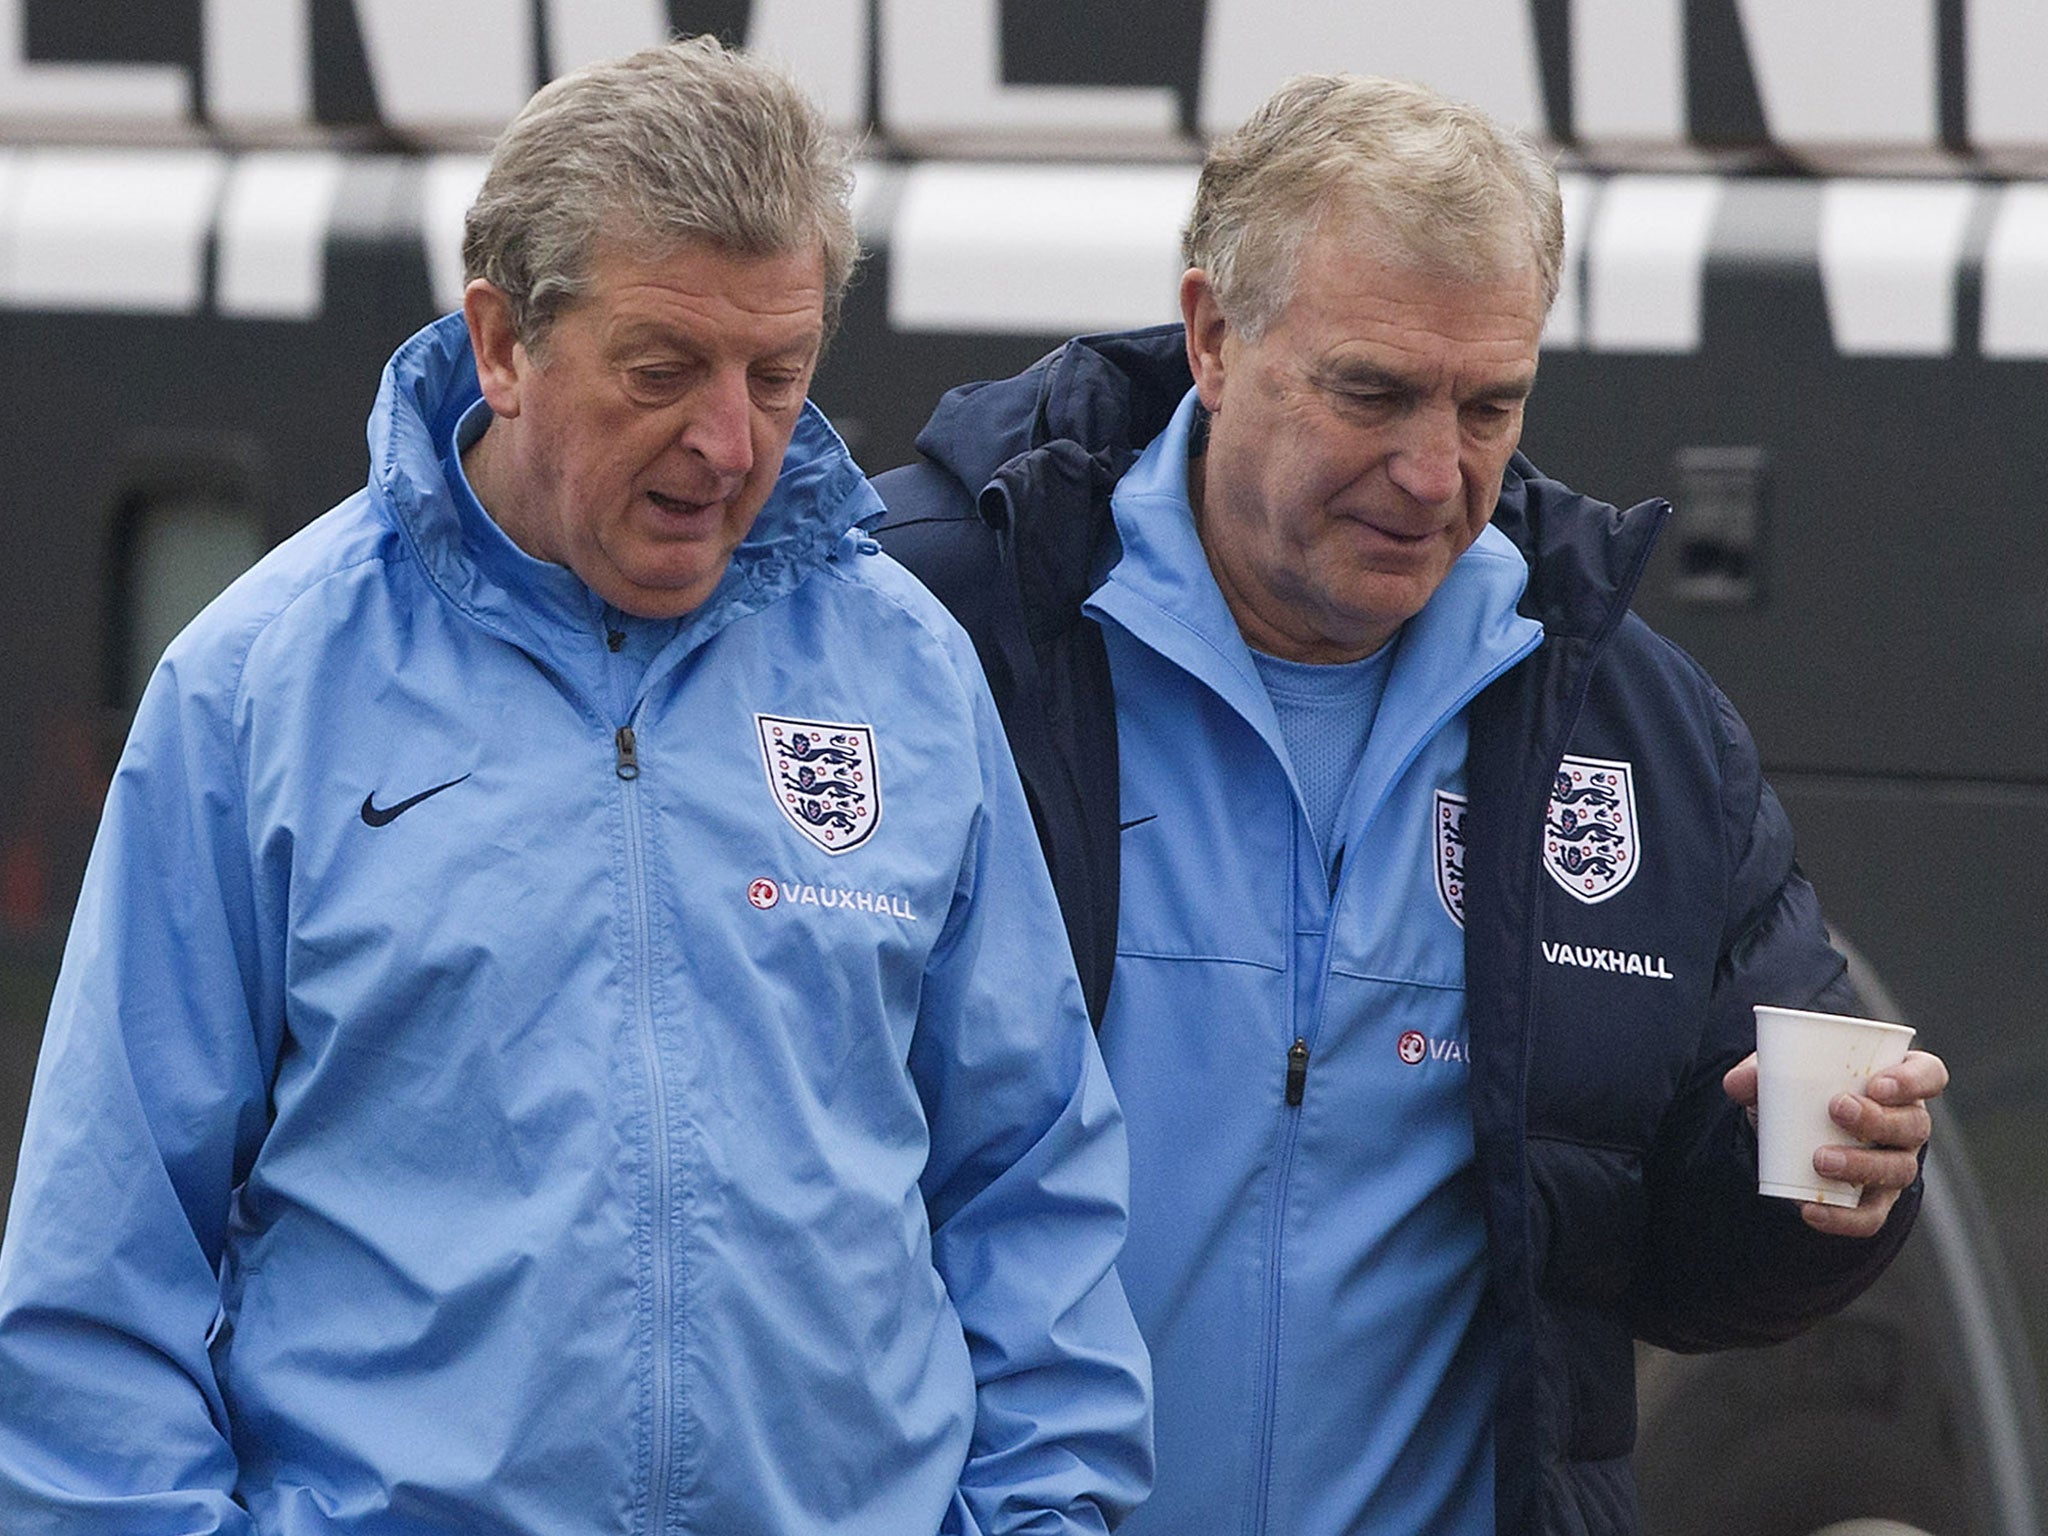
(1206, 328)
(502, 364)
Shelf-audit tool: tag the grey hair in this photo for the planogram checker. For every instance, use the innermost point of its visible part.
(686, 142)
(1439, 183)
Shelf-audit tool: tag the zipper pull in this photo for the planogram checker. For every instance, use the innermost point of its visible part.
(629, 756)
(1297, 1071)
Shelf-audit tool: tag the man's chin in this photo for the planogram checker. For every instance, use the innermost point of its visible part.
(659, 598)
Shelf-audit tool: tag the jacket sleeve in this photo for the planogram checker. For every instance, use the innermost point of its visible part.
(1722, 1264)
(148, 1105)
(1027, 1186)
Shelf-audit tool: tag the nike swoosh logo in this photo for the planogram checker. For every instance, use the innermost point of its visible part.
(1125, 826)
(374, 817)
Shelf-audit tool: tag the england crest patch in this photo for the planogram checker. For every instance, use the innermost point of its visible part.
(1447, 833)
(822, 775)
(1592, 842)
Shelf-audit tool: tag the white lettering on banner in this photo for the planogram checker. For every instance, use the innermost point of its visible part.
(1903, 303)
(126, 230)
(2002, 95)
(581, 32)
(258, 63)
(1621, 962)
(1646, 263)
(942, 74)
(271, 241)
(1481, 51)
(2015, 317)
(825, 44)
(1628, 71)
(1827, 72)
(450, 185)
(1037, 248)
(108, 230)
(410, 46)
(127, 92)
(1816, 91)
(1566, 323)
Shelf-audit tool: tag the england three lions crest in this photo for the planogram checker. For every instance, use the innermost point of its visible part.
(822, 775)
(1592, 842)
(1447, 831)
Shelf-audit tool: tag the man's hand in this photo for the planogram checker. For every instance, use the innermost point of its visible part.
(1892, 1119)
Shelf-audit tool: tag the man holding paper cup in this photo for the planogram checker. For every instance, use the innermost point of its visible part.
(1838, 1111)
(1420, 892)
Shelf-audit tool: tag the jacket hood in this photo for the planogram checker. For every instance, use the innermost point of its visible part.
(1585, 556)
(1110, 393)
(431, 382)
(1059, 435)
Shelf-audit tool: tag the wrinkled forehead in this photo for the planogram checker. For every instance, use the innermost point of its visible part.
(1431, 241)
(627, 274)
(622, 242)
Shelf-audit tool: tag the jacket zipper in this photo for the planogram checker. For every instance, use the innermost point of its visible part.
(1297, 1088)
(626, 766)
(1297, 1081)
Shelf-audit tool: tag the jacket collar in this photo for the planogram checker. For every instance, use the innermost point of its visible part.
(431, 383)
(1163, 592)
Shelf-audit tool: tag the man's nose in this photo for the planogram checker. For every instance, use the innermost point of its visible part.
(720, 430)
(1425, 458)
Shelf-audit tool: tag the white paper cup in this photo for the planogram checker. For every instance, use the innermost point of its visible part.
(1803, 1060)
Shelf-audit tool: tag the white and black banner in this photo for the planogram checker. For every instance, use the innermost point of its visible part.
(1033, 77)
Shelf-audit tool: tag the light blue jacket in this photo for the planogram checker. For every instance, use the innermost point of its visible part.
(460, 1114)
(1308, 1247)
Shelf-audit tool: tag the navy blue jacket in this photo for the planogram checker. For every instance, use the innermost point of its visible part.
(1620, 1181)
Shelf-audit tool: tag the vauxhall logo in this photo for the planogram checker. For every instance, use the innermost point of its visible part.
(766, 894)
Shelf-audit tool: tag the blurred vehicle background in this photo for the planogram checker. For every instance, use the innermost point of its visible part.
(1807, 299)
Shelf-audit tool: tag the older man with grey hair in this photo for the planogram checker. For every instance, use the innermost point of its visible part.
(1421, 892)
(567, 1028)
